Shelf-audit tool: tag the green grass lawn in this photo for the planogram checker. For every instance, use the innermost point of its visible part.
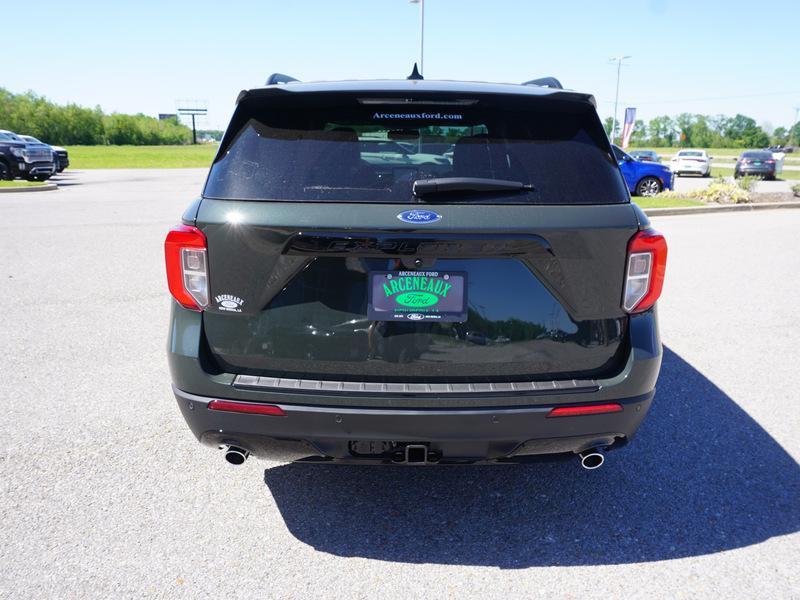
(665, 202)
(141, 157)
(18, 183)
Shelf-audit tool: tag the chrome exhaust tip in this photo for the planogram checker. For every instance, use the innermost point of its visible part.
(592, 459)
(235, 455)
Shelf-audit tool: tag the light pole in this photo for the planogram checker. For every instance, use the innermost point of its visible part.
(421, 33)
(792, 135)
(618, 60)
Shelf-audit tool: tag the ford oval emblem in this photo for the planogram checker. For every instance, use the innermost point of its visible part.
(419, 216)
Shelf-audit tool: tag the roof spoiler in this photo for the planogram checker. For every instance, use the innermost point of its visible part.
(279, 78)
(548, 82)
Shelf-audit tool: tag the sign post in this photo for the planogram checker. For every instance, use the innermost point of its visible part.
(193, 112)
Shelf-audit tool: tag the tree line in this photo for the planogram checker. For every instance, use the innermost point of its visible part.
(30, 114)
(706, 131)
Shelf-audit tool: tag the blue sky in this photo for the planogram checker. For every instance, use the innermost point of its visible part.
(687, 56)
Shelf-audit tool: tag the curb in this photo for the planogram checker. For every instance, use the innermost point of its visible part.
(34, 188)
(700, 210)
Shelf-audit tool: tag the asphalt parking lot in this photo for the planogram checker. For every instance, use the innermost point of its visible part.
(105, 493)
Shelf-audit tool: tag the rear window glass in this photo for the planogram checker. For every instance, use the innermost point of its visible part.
(690, 153)
(761, 155)
(366, 152)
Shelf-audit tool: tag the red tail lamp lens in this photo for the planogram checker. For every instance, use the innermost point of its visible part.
(187, 266)
(246, 407)
(588, 409)
(644, 271)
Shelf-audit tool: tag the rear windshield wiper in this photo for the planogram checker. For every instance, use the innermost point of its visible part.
(443, 185)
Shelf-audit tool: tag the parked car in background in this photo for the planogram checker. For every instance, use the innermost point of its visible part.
(643, 178)
(61, 156)
(11, 153)
(760, 163)
(784, 149)
(646, 155)
(26, 160)
(691, 162)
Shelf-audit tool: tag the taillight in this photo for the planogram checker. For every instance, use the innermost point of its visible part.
(246, 407)
(587, 409)
(644, 272)
(187, 266)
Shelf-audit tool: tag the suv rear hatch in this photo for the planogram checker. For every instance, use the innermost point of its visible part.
(324, 264)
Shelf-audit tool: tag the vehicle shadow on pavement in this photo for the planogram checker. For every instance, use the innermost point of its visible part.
(700, 477)
(66, 179)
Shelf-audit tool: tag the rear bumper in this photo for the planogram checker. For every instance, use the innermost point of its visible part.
(699, 168)
(455, 427)
(375, 435)
(756, 170)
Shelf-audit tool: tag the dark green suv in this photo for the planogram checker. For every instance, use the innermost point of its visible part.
(488, 294)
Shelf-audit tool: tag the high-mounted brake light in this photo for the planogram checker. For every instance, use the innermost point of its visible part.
(644, 270)
(187, 266)
(587, 409)
(246, 407)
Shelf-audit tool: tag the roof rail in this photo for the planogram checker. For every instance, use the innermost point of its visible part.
(279, 78)
(550, 82)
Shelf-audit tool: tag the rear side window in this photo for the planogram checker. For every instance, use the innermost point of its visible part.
(350, 150)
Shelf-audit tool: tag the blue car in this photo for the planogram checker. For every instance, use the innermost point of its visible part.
(643, 178)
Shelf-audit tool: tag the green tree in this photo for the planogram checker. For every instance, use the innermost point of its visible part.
(639, 133)
(72, 124)
(661, 131)
(703, 134)
(608, 123)
(794, 134)
(780, 137)
(756, 138)
(684, 123)
(743, 132)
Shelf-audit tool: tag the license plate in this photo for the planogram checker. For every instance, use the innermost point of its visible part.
(757, 163)
(417, 296)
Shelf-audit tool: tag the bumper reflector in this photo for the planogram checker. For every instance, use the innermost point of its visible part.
(589, 409)
(246, 407)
